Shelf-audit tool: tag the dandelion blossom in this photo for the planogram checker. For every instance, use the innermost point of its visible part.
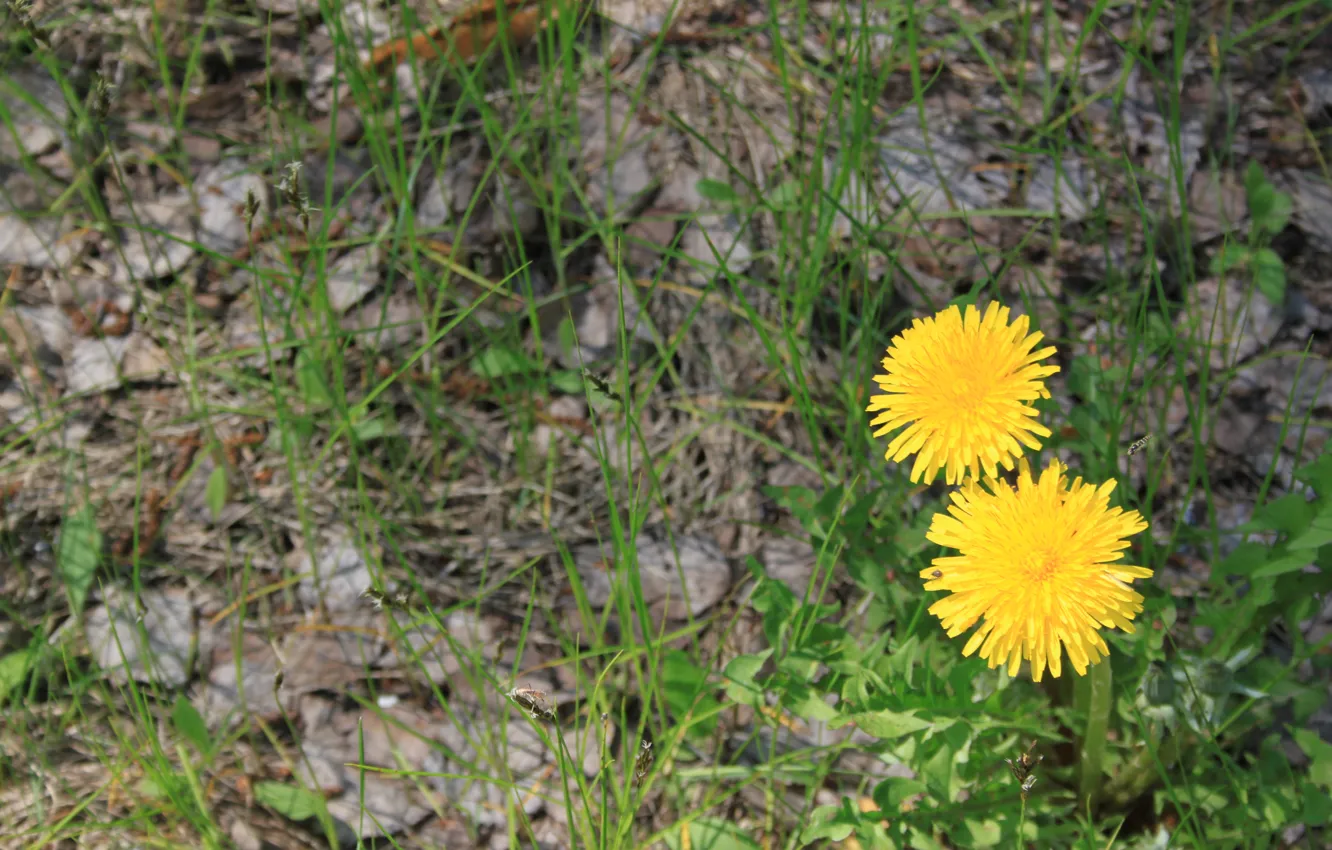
(1036, 570)
(961, 386)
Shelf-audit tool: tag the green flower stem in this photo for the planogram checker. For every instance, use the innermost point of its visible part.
(1142, 772)
(1092, 701)
(1022, 824)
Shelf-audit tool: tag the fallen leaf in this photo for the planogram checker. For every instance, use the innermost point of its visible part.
(469, 34)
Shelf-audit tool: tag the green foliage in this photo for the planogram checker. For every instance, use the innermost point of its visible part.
(79, 554)
(215, 491)
(501, 361)
(188, 722)
(311, 380)
(293, 803)
(687, 693)
(1269, 209)
(715, 190)
(15, 667)
(709, 834)
(1269, 212)
(1295, 533)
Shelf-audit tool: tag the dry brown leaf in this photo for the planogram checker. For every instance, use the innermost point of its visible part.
(469, 35)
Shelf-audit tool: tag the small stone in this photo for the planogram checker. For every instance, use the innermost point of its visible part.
(716, 242)
(351, 277)
(1070, 188)
(94, 364)
(648, 237)
(222, 191)
(342, 575)
(789, 561)
(1311, 198)
(35, 243)
(385, 323)
(201, 148)
(253, 673)
(1229, 318)
(244, 836)
(916, 167)
(1217, 203)
(163, 247)
(379, 805)
(688, 574)
(36, 129)
(159, 651)
(597, 323)
(144, 359)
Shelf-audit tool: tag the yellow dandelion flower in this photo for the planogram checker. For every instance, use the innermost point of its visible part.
(1036, 570)
(961, 386)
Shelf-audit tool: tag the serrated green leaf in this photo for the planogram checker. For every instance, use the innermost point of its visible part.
(685, 686)
(1314, 538)
(373, 428)
(295, 804)
(715, 190)
(14, 669)
(984, 833)
(215, 491)
(938, 774)
(785, 196)
(889, 725)
(1269, 275)
(1231, 256)
(1245, 558)
(1279, 214)
(568, 382)
(497, 361)
(891, 793)
(79, 554)
(808, 704)
(310, 380)
(568, 335)
(709, 834)
(1290, 514)
(1319, 753)
(190, 723)
(1317, 809)
(1269, 208)
(1254, 180)
(1280, 566)
(829, 823)
(740, 672)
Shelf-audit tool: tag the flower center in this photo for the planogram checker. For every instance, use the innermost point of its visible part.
(1042, 565)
